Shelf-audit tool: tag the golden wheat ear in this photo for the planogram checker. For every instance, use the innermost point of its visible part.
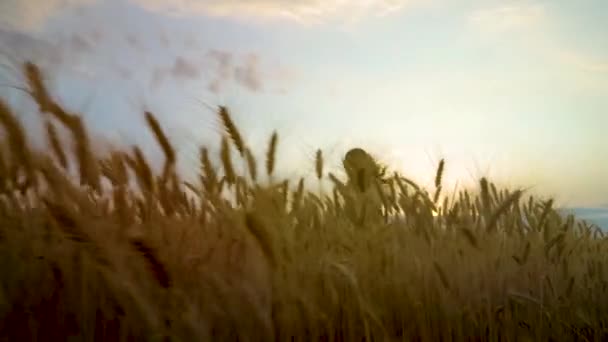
(232, 130)
(227, 161)
(89, 169)
(55, 144)
(271, 153)
(438, 179)
(156, 268)
(17, 142)
(164, 143)
(251, 165)
(209, 177)
(319, 164)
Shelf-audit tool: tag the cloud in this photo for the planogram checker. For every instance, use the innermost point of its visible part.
(507, 17)
(534, 22)
(18, 47)
(158, 77)
(185, 69)
(124, 72)
(79, 43)
(91, 50)
(31, 15)
(55, 56)
(583, 61)
(219, 68)
(79, 55)
(249, 71)
(283, 79)
(133, 41)
(299, 10)
(222, 64)
(248, 74)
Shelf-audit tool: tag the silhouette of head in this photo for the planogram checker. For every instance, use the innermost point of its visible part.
(358, 163)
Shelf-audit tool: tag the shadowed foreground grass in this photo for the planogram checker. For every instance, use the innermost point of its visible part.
(103, 248)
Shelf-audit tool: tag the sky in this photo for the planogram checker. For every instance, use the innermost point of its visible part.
(513, 90)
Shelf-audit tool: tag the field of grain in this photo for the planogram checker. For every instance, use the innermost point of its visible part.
(102, 247)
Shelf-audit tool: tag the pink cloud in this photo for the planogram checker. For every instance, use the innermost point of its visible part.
(29, 15)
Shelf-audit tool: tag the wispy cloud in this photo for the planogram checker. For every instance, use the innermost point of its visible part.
(248, 74)
(584, 62)
(300, 10)
(185, 69)
(80, 43)
(248, 71)
(32, 14)
(221, 68)
(182, 69)
(134, 55)
(508, 17)
(222, 64)
(17, 46)
(534, 21)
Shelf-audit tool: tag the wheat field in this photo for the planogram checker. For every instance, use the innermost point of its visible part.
(102, 247)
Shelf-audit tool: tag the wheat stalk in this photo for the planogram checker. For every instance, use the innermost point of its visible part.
(232, 131)
(209, 176)
(493, 218)
(262, 236)
(156, 268)
(143, 171)
(89, 169)
(319, 164)
(227, 161)
(470, 237)
(271, 153)
(56, 145)
(17, 142)
(298, 195)
(164, 143)
(251, 165)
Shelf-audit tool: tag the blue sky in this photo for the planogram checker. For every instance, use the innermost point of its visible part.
(517, 90)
